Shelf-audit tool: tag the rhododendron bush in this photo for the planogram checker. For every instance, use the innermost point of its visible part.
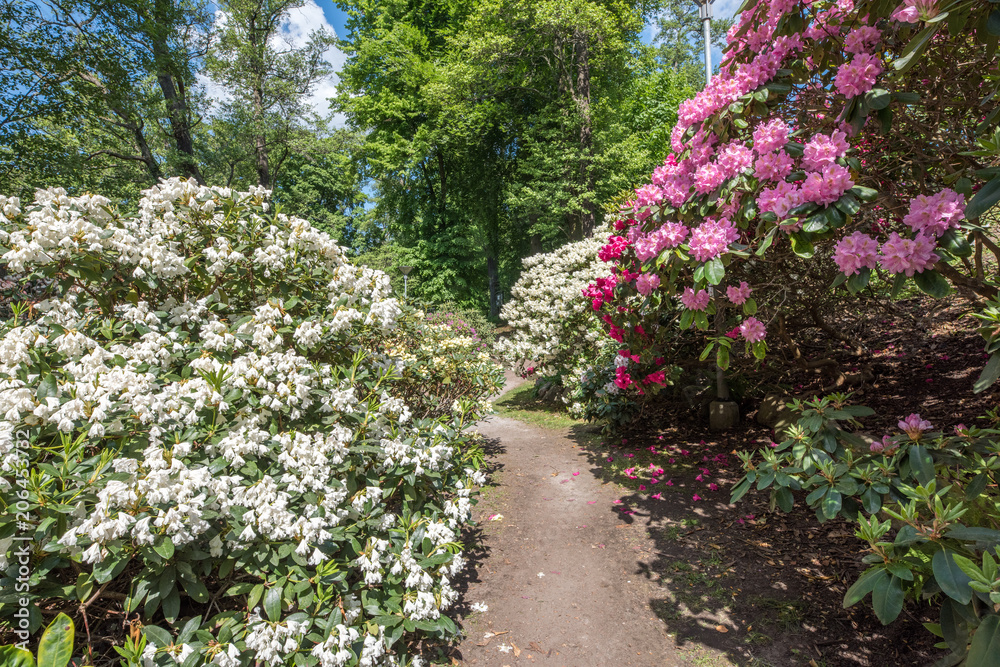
(215, 423)
(554, 333)
(938, 494)
(854, 135)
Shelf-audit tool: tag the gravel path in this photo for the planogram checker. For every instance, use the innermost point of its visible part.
(559, 575)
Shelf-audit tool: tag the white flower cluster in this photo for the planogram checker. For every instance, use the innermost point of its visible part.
(553, 322)
(243, 381)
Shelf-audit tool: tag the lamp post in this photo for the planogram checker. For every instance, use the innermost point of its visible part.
(405, 270)
(705, 13)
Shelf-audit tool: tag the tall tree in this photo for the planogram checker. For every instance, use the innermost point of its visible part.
(268, 77)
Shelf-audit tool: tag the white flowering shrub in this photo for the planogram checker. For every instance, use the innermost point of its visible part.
(216, 424)
(555, 331)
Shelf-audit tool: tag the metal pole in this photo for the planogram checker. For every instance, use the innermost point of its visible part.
(404, 285)
(705, 11)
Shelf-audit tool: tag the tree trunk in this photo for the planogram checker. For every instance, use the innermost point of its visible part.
(260, 141)
(173, 92)
(493, 276)
(588, 220)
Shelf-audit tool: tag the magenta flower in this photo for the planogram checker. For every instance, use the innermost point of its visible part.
(695, 300)
(861, 39)
(670, 482)
(657, 496)
(936, 214)
(711, 238)
(823, 150)
(753, 330)
(827, 186)
(646, 283)
(738, 295)
(696, 497)
(857, 76)
(773, 166)
(713, 486)
(642, 487)
(908, 256)
(914, 426)
(854, 252)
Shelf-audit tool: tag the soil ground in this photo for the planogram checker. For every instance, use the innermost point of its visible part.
(667, 572)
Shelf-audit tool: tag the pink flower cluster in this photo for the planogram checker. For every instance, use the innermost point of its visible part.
(695, 300)
(935, 214)
(780, 199)
(738, 295)
(753, 330)
(861, 40)
(858, 75)
(613, 250)
(854, 252)
(670, 235)
(908, 256)
(711, 238)
(600, 291)
(646, 283)
(773, 166)
(912, 11)
(827, 186)
(770, 136)
(823, 150)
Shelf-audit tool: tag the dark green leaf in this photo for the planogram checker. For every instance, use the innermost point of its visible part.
(954, 629)
(933, 283)
(985, 648)
(922, 464)
(887, 599)
(802, 246)
(878, 98)
(993, 22)
(984, 200)
(988, 536)
(950, 577)
(272, 603)
(714, 271)
(863, 193)
(784, 499)
(956, 243)
(13, 656)
(48, 387)
(858, 281)
(864, 585)
(989, 374)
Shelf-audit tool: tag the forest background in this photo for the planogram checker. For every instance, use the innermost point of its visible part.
(453, 136)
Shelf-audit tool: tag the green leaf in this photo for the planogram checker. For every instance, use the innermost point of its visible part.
(165, 548)
(887, 599)
(916, 46)
(749, 307)
(933, 283)
(714, 271)
(922, 464)
(950, 577)
(988, 536)
(272, 603)
(687, 317)
(864, 585)
(863, 193)
(993, 22)
(12, 656)
(832, 503)
(802, 246)
(740, 490)
(954, 629)
(47, 387)
(985, 648)
(858, 281)
(848, 203)
(984, 200)
(722, 357)
(956, 244)
(197, 590)
(878, 98)
(157, 635)
(56, 646)
(989, 374)
(784, 499)
(171, 605)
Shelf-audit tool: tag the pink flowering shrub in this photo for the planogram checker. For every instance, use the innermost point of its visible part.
(812, 142)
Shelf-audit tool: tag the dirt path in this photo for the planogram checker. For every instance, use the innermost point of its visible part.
(559, 574)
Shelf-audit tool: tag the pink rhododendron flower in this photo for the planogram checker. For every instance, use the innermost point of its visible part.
(824, 149)
(622, 378)
(914, 426)
(670, 235)
(708, 177)
(936, 214)
(695, 300)
(908, 256)
(646, 283)
(827, 187)
(657, 496)
(912, 11)
(855, 251)
(780, 199)
(613, 250)
(861, 39)
(738, 295)
(711, 238)
(696, 497)
(773, 166)
(656, 377)
(734, 158)
(770, 136)
(753, 330)
(713, 486)
(858, 75)
(648, 195)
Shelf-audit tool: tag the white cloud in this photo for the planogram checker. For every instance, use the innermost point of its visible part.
(294, 33)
